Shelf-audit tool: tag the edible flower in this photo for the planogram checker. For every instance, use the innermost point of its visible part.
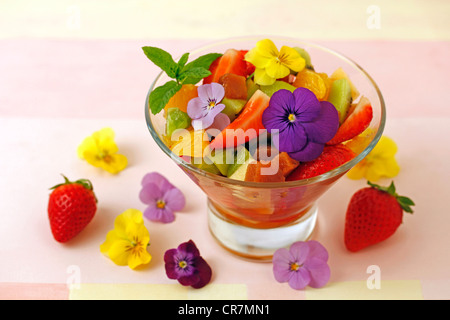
(379, 163)
(187, 266)
(163, 198)
(300, 123)
(100, 150)
(127, 243)
(304, 264)
(271, 64)
(204, 108)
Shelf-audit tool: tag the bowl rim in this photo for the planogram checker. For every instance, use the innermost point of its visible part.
(273, 185)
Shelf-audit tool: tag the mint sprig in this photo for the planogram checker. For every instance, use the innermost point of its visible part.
(182, 73)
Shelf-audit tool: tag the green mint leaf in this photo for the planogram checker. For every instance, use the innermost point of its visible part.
(162, 59)
(182, 62)
(160, 96)
(193, 75)
(201, 62)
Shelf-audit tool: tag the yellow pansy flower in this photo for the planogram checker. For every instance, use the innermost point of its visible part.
(379, 163)
(271, 64)
(126, 245)
(100, 150)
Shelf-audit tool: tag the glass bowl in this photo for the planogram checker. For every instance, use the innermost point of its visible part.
(254, 219)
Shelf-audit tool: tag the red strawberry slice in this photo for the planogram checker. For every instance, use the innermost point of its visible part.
(71, 207)
(357, 121)
(249, 66)
(331, 158)
(232, 61)
(373, 215)
(247, 126)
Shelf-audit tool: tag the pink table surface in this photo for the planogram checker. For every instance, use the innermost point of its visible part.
(53, 93)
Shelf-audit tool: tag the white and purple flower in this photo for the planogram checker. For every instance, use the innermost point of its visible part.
(205, 110)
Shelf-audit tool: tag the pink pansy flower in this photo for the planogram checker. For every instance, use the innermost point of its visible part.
(304, 264)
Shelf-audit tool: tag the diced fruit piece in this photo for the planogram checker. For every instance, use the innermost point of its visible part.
(341, 97)
(205, 165)
(190, 143)
(305, 55)
(242, 158)
(232, 61)
(275, 169)
(247, 126)
(313, 81)
(264, 171)
(340, 74)
(357, 121)
(176, 119)
(233, 107)
(250, 67)
(181, 98)
(235, 86)
(331, 158)
(278, 85)
(287, 164)
(251, 88)
(222, 159)
(327, 82)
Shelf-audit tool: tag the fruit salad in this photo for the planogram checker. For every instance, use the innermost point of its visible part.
(262, 114)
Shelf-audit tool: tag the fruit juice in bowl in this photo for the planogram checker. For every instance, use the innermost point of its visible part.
(264, 127)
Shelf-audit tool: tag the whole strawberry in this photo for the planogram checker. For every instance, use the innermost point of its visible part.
(373, 215)
(71, 207)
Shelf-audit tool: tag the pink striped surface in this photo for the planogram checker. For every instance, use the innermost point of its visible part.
(53, 93)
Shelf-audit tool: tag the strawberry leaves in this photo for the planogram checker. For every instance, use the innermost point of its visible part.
(404, 202)
(181, 72)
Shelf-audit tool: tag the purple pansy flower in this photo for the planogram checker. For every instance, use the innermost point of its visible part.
(204, 109)
(163, 198)
(301, 123)
(187, 266)
(304, 264)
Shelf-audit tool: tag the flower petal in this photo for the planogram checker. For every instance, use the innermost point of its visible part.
(221, 121)
(255, 58)
(262, 78)
(204, 273)
(299, 279)
(306, 104)
(324, 127)
(115, 163)
(156, 214)
(292, 139)
(317, 250)
(189, 247)
(211, 91)
(319, 272)
(150, 194)
(174, 200)
(281, 265)
(299, 251)
(196, 108)
(276, 115)
(119, 252)
(275, 69)
(311, 151)
(267, 48)
(292, 59)
(158, 179)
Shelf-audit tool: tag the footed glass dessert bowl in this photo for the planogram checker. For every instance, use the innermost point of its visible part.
(253, 219)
